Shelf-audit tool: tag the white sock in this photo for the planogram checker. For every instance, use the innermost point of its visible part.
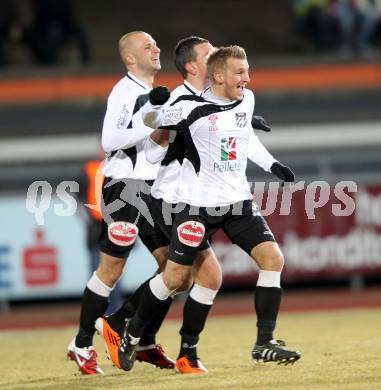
(158, 287)
(203, 294)
(98, 287)
(268, 278)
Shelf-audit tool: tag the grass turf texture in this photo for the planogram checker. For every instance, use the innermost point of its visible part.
(339, 350)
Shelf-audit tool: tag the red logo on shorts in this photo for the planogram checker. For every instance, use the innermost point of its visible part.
(191, 233)
(122, 233)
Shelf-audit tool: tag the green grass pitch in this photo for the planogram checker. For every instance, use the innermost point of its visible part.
(340, 350)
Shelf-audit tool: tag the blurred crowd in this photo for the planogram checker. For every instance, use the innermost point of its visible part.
(53, 26)
(48, 28)
(349, 27)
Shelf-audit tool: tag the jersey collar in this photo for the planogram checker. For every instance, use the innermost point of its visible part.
(191, 88)
(137, 81)
(207, 94)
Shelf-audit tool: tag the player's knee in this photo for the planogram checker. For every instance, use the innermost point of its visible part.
(109, 275)
(215, 277)
(210, 280)
(268, 256)
(177, 279)
(215, 282)
(187, 284)
(208, 270)
(110, 269)
(273, 261)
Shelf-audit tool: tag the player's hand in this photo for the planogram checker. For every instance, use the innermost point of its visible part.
(259, 123)
(159, 95)
(282, 172)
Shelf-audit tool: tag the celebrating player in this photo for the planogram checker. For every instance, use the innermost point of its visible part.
(213, 186)
(124, 137)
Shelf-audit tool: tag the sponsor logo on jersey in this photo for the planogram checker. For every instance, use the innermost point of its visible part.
(228, 148)
(173, 114)
(191, 233)
(122, 233)
(228, 156)
(213, 120)
(227, 166)
(122, 120)
(240, 119)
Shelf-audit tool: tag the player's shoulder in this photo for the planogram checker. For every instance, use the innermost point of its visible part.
(127, 88)
(178, 91)
(120, 86)
(185, 89)
(187, 100)
(175, 94)
(248, 94)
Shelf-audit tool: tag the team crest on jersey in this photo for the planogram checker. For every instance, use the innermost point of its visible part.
(240, 119)
(122, 233)
(122, 119)
(191, 233)
(213, 120)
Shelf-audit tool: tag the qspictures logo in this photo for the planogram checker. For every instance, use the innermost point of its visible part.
(228, 156)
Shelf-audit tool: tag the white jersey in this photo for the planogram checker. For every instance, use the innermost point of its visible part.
(166, 184)
(219, 139)
(124, 134)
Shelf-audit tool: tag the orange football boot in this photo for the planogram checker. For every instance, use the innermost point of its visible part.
(186, 365)
(111, 338)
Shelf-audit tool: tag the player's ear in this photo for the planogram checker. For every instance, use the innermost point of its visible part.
(190, 68)
(130, 59)
(218, 77)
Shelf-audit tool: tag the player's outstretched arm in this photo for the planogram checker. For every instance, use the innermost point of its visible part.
(122, 126)
(156, 145)
(259, 123)
(258, 154)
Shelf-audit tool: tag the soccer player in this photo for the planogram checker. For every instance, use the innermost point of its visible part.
(190, 59)
(124, 137)
(214, 188)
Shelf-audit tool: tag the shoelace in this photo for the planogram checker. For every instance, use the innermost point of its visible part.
(91, 358)
(84, 353)
(92, 361)
(280, 343)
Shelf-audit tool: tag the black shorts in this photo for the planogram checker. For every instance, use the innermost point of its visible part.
(192, 227)
(126, 212)
(163, 214)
